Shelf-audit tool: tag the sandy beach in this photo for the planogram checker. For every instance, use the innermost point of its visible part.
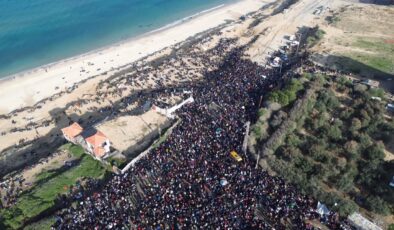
(27, 88)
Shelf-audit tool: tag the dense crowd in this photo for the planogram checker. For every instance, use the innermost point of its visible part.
(191, 181)
(9, 191)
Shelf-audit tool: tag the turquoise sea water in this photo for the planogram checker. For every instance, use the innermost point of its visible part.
(38, 32)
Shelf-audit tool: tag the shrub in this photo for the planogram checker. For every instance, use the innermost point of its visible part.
(315, 37)
(376, 92)
(288, 94)
(343, 83)
(347, 207)
(262, 111)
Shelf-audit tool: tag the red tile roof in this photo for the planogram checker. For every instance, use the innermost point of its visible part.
(73, 130)
(97, 139)
(99, 151)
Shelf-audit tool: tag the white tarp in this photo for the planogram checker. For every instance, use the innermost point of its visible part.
(360, 222)
(322, 209)
(223, 182)
(170, 112)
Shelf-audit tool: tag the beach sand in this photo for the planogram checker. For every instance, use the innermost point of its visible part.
(27, 88)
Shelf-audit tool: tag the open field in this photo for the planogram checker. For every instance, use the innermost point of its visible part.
(49, 186)
(361, 43)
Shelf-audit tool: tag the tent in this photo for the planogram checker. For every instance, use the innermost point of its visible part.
(322, 209)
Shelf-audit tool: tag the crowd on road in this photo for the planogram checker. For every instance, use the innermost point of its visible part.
(191, 181)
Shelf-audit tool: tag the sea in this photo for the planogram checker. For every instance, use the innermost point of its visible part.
(39, 32)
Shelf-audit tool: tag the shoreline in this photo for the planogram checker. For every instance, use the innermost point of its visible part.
(31, 86)
(115, 44)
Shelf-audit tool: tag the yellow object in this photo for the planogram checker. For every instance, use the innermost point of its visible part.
(235, 156)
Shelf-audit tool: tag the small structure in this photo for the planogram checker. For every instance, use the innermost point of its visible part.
(322, 209)
(294, 43)
(376, 98)
(170, 112)
(98, 144)
(93, 141)
(392, 182)
(276, 62)
(71, 132)
(362, 223)
(390, 107)
(371, 83)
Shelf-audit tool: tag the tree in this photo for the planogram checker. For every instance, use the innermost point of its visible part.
(351, 150)
(278, 119)
(279, 97)
(262, 111)
(343, 83)
(330, 99)
(346, 113)
(364, 117)
(364, 140)
(378, 205)
(345, 182)
(374, 153)
(355, 126)
(360, 89)
(347, 207)
(333, 132)
(369, 173)
(320, 156)
(293, 140)
(314, 149)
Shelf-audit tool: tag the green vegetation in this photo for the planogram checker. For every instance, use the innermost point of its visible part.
(315, 36)
(50, 185)
(118, 162)
(335, 151)
(370, 55)
(44, 224)
(262, 111)
(334, 19)
(287, 95)
(376, 92)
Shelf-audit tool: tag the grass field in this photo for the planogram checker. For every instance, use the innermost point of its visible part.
(50, 184)
(356, 42)
(379, 55)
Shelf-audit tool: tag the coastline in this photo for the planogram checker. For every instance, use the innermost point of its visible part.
(27, 88)
(119, 43)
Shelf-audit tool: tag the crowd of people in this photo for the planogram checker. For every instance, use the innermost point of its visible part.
(191, 181)
(9, 191)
